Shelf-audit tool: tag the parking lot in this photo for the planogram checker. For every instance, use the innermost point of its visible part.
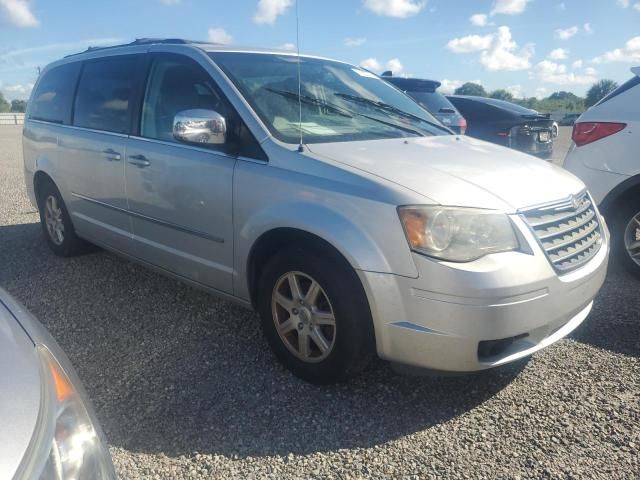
(185, 386)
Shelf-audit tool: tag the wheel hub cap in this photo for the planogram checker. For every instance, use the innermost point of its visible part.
(53, 220)
(303, 316)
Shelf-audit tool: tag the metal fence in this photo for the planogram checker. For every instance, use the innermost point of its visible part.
(11, 118)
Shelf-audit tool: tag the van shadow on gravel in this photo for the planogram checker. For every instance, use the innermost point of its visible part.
(171, 369)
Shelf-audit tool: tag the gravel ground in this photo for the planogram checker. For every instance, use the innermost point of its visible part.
(185, 386)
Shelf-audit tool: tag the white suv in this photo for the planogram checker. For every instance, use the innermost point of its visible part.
(605, 156)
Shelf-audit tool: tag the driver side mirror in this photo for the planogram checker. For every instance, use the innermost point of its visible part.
(200, 126)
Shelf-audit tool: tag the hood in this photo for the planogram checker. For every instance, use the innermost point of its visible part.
(457, 170)
(19, 391)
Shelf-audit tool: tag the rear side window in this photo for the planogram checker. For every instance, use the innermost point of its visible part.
(106, 94)
(51, 102)
(629, 84)
(432, 101)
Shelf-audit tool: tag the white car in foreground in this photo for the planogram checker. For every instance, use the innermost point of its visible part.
(606, 156)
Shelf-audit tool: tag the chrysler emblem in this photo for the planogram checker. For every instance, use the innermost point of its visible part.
(575, 201)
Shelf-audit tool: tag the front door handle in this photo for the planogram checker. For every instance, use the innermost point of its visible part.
(111, 155)
(139, 161)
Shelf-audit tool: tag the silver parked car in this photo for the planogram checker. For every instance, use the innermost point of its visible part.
(48, 429)
(340, 210)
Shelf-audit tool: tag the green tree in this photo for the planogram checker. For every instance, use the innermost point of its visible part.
(598, 91)
(18, 106)
(471, 88)
(4, 105)
(501, 94)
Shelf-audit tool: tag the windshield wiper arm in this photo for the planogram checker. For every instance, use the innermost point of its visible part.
(310, 101)
(338, 110)
(388, 108)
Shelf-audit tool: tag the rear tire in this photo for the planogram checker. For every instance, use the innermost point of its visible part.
(56, 223)
(625, 234)
(297, 320)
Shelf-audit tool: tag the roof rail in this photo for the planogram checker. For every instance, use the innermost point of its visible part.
(144, 41)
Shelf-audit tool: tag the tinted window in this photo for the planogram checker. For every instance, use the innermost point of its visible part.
(53, 98)
(476, 111)
(512, 107)
(177, 84)
(433, 102)
(105, 94)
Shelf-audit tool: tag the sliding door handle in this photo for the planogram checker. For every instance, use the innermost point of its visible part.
(139, 161)
(111, 155)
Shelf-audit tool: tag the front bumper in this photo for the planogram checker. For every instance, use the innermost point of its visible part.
(473, 316)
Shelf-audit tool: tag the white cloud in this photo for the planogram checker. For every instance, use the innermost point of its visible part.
(269, 10)
(470, 43)
(354, 42)
(630, 53)
(20, 91)
(590, 71)
(509, 7)
(515, 90)
(447, 87)
(558, 54)
(540, 92)
(577, 64)
(565, 33)
(17, 13)
(375, 65)
(287, 46)
(395, 8)
(636, 7)
(561, 6)
(395, 66)
(371, 64)
(551, 72)
(219, 35)
(623, 3)
(479, 19)
(587, 28)
(498, 50)
(170, 2)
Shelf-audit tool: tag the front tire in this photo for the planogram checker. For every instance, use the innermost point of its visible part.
(56, 223)
(625, 233)
(315, 315)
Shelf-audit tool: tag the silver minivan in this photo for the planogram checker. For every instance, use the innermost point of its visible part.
(318, 194)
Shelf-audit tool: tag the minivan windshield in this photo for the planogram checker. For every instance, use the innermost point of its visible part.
(339, 102)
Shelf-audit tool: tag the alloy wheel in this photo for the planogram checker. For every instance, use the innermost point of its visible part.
(53, 220)
(303, 316)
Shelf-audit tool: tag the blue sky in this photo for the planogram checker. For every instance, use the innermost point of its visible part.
(531, 47)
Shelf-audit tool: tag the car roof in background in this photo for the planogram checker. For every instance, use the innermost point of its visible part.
(413, 84)
(503, 104)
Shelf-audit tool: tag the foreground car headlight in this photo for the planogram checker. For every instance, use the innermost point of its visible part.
(457, 234)
(66, 443)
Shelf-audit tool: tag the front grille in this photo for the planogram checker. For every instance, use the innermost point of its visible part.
(568, 231)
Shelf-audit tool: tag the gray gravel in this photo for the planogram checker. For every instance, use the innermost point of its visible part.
(185, 387)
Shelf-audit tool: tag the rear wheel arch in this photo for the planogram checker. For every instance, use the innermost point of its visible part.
(39, 180)
(620, 193)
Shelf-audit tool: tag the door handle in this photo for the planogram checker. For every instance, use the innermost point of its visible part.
(111, 155)
(139, 161)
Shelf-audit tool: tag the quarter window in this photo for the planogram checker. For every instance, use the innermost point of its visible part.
(52, 99)
(105, 94)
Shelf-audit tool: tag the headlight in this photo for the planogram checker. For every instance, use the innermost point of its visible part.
(65, 444)
(457, 234)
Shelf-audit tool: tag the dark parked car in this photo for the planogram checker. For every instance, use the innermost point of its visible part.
(507, 124)
(569, 119)
(424, 92)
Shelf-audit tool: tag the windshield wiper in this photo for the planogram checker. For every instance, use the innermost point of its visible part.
(338, 110)
(310, 101)
(388, 108)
